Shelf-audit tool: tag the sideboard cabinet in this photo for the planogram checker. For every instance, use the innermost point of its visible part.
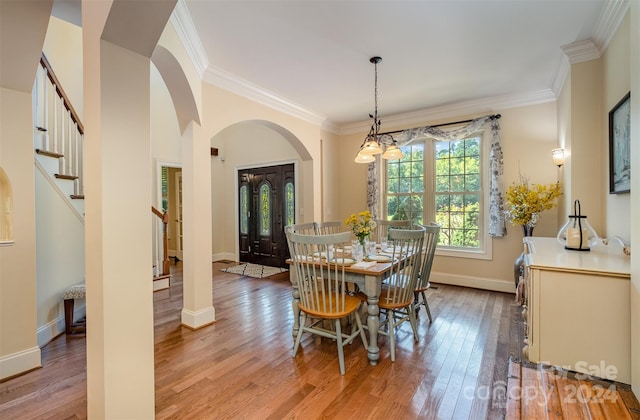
(577, 310)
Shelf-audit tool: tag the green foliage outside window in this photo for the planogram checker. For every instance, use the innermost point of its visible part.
(405, 185)
(165, 188)
(457, 190)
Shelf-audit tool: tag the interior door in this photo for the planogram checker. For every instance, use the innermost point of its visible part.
(266, 204)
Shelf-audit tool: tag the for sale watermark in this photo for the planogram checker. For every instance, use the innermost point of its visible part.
(569, 389)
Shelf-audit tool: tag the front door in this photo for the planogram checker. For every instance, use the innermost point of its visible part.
(266, 205)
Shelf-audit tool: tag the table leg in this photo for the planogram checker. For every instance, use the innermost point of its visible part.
(372, 289)
(68, 315)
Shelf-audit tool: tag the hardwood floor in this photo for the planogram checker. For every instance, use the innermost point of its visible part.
(241, 366)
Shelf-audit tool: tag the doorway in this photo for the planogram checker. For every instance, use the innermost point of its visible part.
(170, 190)
(266, 203)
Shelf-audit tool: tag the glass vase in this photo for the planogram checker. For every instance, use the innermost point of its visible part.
(518, 265)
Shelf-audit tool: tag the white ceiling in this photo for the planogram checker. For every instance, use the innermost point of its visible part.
(312, 57)
(315, 54)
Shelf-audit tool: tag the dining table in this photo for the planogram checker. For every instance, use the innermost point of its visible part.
(369, 280)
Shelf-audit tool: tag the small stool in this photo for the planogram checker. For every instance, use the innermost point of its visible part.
(77, 291)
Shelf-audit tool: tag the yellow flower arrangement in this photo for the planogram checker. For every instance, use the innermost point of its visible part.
(362, 225)
(524, 203)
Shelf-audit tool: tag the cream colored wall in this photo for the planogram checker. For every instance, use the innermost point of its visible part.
(62, 47)
(331, 177)
(170, 40)
(528, 136)
(18, 346)
(60, 257)
(634, 197)
(587, 170)
(616, 83)
(244, 145)
(223, 109)
(564, 140)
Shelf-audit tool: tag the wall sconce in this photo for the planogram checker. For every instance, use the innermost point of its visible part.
(558, 157)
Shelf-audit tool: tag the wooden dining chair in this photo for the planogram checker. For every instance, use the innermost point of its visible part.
(335, 226)
(432, 232)
(397, 297)
(302, 228)
(383, 226)
(320, 277)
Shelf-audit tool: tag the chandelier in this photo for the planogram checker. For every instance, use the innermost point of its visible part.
(376, 143)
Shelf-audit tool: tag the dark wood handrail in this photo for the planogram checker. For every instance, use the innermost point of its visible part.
(65, 99)
(165, 239)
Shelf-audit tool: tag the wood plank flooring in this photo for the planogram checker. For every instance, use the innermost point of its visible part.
(545, 392)
(241, 366)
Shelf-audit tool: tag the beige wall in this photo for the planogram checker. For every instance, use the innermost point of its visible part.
(634, 197)
(18, 345)
(616, 83)
(61, 47)
(331, 177)
(244, 145)
(223, 109)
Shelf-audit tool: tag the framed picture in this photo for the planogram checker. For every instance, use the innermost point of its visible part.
(619, 149)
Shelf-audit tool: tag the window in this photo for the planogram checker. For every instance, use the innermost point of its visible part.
(289, 203)
(405, 185)
(442, 181)
(457, 192)
(244, 209)
(165, 188)
(265, 210)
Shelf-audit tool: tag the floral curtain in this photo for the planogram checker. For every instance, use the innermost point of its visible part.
(497, 225)
(373, 199)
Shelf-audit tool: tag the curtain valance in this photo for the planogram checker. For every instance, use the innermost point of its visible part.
(497, 225)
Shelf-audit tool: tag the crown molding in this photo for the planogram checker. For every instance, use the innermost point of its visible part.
(246, 89)
(581, 51)
(610, 18)
(186, 30)
(561, 75)
(608, 22)
(478, 106)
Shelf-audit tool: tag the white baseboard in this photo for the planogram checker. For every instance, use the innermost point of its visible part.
(22, 361)
(161, 284)
(54, 328)
(475, 282)
(195, 320)
(223, 256)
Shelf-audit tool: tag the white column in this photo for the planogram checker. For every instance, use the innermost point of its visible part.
(198, 308)
(120, 352)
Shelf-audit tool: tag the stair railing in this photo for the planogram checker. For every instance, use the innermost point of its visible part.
(160, 225)
(59, 131)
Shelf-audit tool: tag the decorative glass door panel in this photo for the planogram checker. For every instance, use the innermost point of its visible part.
(266, 204)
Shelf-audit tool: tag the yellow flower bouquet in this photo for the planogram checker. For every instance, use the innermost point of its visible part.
(524, 203)
(361, 224)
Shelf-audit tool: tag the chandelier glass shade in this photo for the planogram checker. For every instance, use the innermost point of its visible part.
(376, 143)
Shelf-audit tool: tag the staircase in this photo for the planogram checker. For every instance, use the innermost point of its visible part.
(58, 141)
(58, 137)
